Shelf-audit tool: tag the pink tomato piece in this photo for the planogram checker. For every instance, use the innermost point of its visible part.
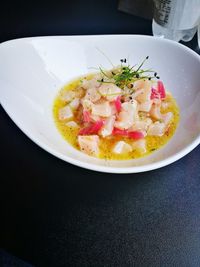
(154, 94)
(117, 131)
(92, 129)
(161, 89)
(130, 134)
(86, 116)
(95, 127)
(84, 131)
(135, 135)
(118, 104)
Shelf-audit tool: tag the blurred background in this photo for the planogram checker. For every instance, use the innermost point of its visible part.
(31, 18)
(35, 18)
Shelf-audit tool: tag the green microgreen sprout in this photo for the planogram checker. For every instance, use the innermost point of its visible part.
(124, 74)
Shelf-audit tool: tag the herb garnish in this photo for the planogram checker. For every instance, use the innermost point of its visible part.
(124, 74)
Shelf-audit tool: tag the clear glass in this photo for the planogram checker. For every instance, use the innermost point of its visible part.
(176, 35)
(176, 19)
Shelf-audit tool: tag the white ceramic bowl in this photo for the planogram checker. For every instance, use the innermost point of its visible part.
(32, 70)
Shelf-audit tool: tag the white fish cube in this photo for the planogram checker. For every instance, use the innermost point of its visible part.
(67, 96)
(108, 126)
(140, 145)
(87, 104)
(145, 106)
(92, 94)
(103, 109)
(122, 147)
(144, 87)
(167, 117)
(72, 124)
(74, 103)
(141, 125)
(92, 83)
(110, 91)
(65, 113)
(127, 116)
(89, 144)
(156, 129)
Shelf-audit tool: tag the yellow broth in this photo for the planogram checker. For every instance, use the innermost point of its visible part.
(106, 144)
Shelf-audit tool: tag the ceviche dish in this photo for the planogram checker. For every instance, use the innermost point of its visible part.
(117, 114)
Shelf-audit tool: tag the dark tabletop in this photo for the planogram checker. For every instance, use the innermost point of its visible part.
(55, 214)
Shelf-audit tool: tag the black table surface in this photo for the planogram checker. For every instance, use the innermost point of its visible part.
(55, 214)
